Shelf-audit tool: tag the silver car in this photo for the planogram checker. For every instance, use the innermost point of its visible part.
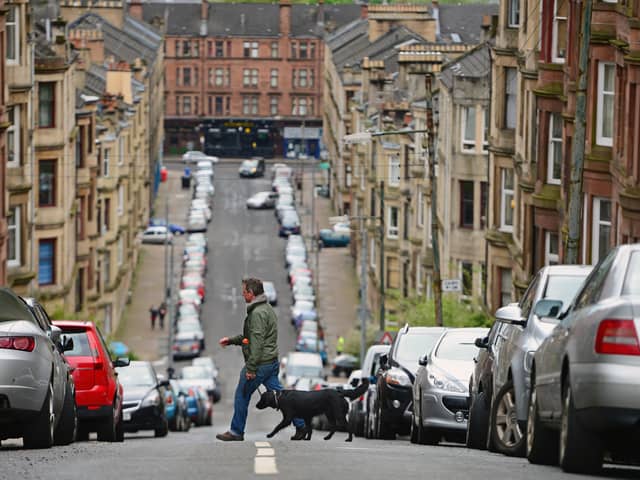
(585, 399)
(515, 344)
(441, 388)
(37, 393)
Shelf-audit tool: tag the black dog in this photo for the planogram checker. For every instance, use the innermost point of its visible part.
(306, 405)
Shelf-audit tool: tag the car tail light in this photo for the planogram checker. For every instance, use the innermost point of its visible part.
(192, 393)
(361, 399)
(195, 346)
(25, 344)
(617, 337)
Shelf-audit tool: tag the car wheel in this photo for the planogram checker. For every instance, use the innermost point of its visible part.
(39, 434)
(542, 443)
(187, 423)
(162, 430)
(67, 428)
(209, 420)
(478, 423)
(383, 428)
(120, 429)
(580, 450)
(107, 428)
(507, 435)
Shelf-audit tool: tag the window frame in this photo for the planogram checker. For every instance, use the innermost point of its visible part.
(274, 78)
(274, 105)
(14, 224)
(51, 102)
(600, 138)
(510, 106)
(466, 204)
(105, 162)
(393, 230)
(467, 145)
(52, 242)
(53, 191)
(372, 252)
(551, 144)
(597, 224)
(504, 193)
(554, 32)
(12, 39)
(395, 170)
(551, 258)
(513, 14)
(15, 133)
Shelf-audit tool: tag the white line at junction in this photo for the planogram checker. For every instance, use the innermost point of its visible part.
(265, 461)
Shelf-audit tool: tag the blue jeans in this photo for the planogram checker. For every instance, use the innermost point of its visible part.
(266, 375)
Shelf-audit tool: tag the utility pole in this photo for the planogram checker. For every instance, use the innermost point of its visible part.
(437, 286)
(362, 311)
(170, 312)
(382, 233)
(166, 250)
(577, 149)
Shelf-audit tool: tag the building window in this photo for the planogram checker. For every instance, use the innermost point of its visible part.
(419, 285)
(120, 208)
(250, 49)
(510, 92)
(219, 48)
(372, 252)
(468, 129)
(505, 286)
(606, 98)
(106, 268)
(186, 105)
(394, 170)
(46, 104)
(106, 218)
(466, 271)
(219, 105)
(273, 105)
(559, 33)
(304, 50)
(420, 209)
(186, 76)
(485, 130)
(14, 136)
(507, 201)
(275, 50)
(302, 106)
(551, 248)
(601, 235)
(514, 13)
(484, 203)
(250, 77)
(47, 183)
(46, 261)
(186, 48)
(14, 234)
(466, 204)
(120, 250)
(105, 162)
(554, 154)
(80, 220)
(274, 77)
(249, 105)
(392, 222)
(177, 104)
(12, 28)
(302, 78)
(294, 50)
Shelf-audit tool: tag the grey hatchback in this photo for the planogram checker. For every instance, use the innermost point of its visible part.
(522, 332)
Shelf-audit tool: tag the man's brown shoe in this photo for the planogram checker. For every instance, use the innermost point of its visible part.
(229, 437)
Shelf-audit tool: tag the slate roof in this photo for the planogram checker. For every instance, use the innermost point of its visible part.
(347, 33)
(246, 19)
(474, 64)
(95, 80)
(465, 20)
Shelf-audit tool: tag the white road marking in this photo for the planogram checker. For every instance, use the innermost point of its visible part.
(354, 448)
(266, 452)
(263, 445)
(265, 466)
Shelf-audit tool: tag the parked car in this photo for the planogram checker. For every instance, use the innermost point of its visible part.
(198, 376)
(143, 406)
(195, 156)
(297, 309)
(344, 364)
(208, 364)
(175, 229)
(311, 342)
(262, 200)
(290, 224)
(207, 404)
(187, 334)
(300, 364)
(196, 223)
(194, 282)
(481, 389)
(303, 293)
(253, 167)
(98, 391)
(295, 253)
(515, 347)
(330, 238)
(281, 210)
(196, 404)
(270, 292)
(586, 375)
(176, 407)
(37, 391)
(441, 388)
(157, 235)
(394, 383)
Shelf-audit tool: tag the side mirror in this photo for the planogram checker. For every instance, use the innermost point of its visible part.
(121, 362)
(163, 383)
(547, 308)
(55, 333)
(511, 314)
(482, 342)
(67, 343)
(423, 360)
(384, 361)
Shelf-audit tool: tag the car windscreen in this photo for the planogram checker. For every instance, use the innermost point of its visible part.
(413, 346)
(457, 347)
(632, 279)
(136, 376)
(194, 372)
(304, 370)
(81, 346)
(563, 288)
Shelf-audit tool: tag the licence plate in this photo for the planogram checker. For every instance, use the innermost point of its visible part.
(185, 348)
(126, 416)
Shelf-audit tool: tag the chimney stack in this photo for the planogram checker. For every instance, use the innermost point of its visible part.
(135, 9)
(204, 18)
(285, 17)
(320, 11)
(364, 10)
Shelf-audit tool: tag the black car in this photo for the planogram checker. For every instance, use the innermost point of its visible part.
(481, 390)
(252, 168)
(394, 399)
(144, 397)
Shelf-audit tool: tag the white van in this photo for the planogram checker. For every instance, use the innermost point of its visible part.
(300, 364)
(157, 234)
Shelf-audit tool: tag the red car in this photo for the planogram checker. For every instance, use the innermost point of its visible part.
(98, 391)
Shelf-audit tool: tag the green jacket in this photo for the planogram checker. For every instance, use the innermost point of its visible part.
(261, 330)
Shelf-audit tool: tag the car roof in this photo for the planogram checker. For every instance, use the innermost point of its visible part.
(568, 269)
(307, 358)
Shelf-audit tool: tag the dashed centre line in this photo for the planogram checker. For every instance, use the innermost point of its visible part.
(265, 461)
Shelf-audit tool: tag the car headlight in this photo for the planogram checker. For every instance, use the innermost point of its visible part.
(152, 399)
(395, 376)
(439, 379)
(253, 170)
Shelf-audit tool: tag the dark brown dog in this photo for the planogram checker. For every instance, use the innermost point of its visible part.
(306, 405)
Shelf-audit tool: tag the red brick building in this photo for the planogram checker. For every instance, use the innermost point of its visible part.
(242, 67)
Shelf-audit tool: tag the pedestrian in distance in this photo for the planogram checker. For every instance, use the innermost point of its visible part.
(259, 342)
(162, 311)
(153, 312)
(340, 345)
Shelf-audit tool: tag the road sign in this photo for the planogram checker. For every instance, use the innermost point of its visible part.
(452, 285)
(385, 339)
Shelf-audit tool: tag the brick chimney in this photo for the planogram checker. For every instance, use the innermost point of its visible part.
(204, 18)
(364, 10)
(285, 17)
(135, 9)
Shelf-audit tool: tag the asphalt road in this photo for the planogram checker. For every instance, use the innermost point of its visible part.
(246, 243)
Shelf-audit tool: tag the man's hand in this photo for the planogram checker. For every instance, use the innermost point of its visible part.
(224, 341)
(250, 376)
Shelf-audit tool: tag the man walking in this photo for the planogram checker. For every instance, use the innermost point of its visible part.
(153, 312)
(162, 311)
(259, 342)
